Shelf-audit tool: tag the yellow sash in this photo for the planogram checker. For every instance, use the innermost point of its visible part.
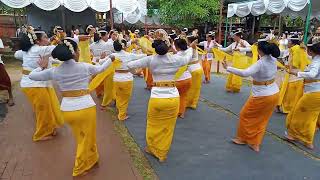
(96, 81)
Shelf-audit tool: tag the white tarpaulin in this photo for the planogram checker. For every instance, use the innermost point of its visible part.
(124, 6)
(287, 7)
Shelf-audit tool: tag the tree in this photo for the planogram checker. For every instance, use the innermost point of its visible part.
(186, 13)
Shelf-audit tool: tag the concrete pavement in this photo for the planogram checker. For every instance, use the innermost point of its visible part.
(202, 150)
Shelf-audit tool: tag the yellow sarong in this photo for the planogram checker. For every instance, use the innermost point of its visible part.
(195, 89)
(302, 120)
(83, 125)
(85, 54)
(161, 121)
(254, 118)
(183, 87)
(123, 92)
(234, 82)
(291, 92)
(46, 107)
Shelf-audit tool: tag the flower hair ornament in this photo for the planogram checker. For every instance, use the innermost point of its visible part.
(69, 45)
(57, 29)
(161, 34)
(32, 36)
(89, 28)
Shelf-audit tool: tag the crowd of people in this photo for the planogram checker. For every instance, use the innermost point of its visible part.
(285, 78)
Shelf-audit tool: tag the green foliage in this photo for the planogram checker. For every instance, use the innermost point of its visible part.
(4, 9)
(187, 13)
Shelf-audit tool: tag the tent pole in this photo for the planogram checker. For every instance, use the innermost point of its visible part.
(226, 33)
(111, 15)
(253, 26)
(305, 37)
(280, 24)
(220, 30)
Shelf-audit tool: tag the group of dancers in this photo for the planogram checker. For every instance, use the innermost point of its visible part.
(173, 66)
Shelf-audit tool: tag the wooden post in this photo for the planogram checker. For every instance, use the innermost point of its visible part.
(63, 16)
(253, 26)
(280, 24)
(220, 31)
(111, 15)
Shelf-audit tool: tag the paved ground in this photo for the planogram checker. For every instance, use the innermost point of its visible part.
(201, 147)
(22, 159)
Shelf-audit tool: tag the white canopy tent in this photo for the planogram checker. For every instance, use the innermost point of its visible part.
(131, 9)
(304, 8)
(285, 7)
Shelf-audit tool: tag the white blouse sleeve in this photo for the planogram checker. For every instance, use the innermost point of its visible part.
(227, 49)
(19, 54)
(140, 63)
(312, 72)
(46, 50)
(96, 69)
(133, 57)
(201, 43)
(247, 47)
(245, 72)
(39, 75)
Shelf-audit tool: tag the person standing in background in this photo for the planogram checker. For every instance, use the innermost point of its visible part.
(5, 82)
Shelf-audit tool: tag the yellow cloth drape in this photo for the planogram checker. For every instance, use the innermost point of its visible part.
(220, 55)
(180, 71)
(254, 118)
(183, 88)
(123, 92)
(46, 107)
(102, 76)
(83, 125)
(195, 89)
(161, 122)
(146, 46)
(255, 54)
(302, 120)
(85, 54)
(108, 92)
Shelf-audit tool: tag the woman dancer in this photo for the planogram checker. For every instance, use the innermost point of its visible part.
(41, 94)
(256, 112)
(163, 105)
(78, 108)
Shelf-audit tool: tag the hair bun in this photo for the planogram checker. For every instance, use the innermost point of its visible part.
(160, 47)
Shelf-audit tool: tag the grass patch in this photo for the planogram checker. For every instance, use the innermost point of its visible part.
(137, 156)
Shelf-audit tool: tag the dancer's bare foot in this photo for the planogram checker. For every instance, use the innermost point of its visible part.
(255, 148)
(103, 108)
(289, 138)
(238, 141)
(309, 146)
(181, 116)
(127, 117)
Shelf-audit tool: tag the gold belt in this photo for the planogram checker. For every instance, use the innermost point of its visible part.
(165, 84)
(308, 81)
(75, 93)
(25, 72)
(122, 71)
(263, 83)
(193, 62)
